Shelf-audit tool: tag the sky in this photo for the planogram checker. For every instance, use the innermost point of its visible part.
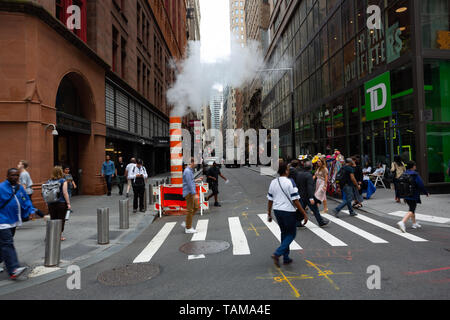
(214, 29)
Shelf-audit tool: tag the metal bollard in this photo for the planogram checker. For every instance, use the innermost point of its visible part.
(53, 243)
(145, 199)
(150, 194)
(103, 225)
(124, 214)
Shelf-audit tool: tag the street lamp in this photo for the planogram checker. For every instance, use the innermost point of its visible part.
(291, 72)
(54, 132)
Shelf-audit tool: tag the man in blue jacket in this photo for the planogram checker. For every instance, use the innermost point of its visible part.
(15, 206)
(414, 199)
(108, 172)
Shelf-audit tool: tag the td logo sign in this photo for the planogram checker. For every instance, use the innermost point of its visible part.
(378, 97)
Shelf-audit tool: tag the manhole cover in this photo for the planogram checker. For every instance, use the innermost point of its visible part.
(204, 247)
(129, 274)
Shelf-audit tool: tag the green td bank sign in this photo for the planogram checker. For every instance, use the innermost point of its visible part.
(378, 97)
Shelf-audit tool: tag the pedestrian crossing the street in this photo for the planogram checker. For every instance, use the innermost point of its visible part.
(238, 237)
(388, 228)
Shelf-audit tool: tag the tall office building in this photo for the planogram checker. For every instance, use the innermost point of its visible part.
(237, 22)
(340, 67)
(216, 105)
(257, 29)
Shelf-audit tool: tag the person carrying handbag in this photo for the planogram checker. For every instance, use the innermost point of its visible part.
(283, 198)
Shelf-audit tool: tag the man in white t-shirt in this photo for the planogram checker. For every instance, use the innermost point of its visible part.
(128, 171)
(284, 198)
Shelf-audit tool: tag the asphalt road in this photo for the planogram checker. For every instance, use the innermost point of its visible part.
(408, 269)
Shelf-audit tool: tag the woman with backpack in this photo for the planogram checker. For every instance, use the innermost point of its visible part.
(58, 209)
(397, 169)
(410, 187)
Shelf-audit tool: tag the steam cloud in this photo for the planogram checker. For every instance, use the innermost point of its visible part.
(195, 80)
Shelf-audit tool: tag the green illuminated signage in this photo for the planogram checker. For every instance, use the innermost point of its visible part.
(378, 97)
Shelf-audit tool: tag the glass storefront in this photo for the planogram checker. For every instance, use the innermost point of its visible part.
(336, 59)
(437, 115)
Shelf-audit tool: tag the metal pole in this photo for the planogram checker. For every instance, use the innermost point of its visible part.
(150, 194)
(145, 198)
(103, 225)
(124, 213)
(53, 243)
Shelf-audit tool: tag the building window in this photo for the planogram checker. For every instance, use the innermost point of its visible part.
(115, 48)
(139, 74)
(123, 57)
(435, 23)
(61, 14)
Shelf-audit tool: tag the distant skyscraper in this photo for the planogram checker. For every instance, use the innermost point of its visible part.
(216, 108)
(237, 22)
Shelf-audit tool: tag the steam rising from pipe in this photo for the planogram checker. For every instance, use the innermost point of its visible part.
(194, 82)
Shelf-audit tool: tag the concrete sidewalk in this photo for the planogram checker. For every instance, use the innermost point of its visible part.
(434, 210)
(81, 233)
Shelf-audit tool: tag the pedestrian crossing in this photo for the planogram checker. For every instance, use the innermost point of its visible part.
(241, 247)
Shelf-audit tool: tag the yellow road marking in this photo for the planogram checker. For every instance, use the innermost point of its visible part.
(283, 278)
(326, 273)
(254, 229)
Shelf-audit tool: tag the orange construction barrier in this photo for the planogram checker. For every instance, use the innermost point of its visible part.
(171, 202)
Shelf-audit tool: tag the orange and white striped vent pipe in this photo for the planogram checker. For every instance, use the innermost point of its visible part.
(176, 151)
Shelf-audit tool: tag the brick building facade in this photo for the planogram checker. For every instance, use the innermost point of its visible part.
(102, 85)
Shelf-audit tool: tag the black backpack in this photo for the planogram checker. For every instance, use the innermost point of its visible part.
(406, 186)
(341, 178)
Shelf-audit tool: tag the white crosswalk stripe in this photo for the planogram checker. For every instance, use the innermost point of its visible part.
(154, 245)
(238, 238)
(388, 228)
(372, 238)
(421, 217)
(326, 236)
(240, 244)
(202, 228)
(275, 229)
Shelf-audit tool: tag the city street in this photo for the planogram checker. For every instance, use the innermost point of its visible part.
(335, 262)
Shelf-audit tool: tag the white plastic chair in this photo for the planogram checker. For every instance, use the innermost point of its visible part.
(379, 178)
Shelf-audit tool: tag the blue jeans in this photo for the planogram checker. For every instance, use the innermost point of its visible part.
(108, 183)
(7, 251)
(287, 222)
(349, 197)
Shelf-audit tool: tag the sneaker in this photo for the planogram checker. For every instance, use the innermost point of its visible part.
(191, 230)
(217, 204)
(401, 226)
(286, 262)
(335, 213)
(416, 226)
(324, 223)
(183, 224)
(353, 214)
(18, 272)
(1, 269)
